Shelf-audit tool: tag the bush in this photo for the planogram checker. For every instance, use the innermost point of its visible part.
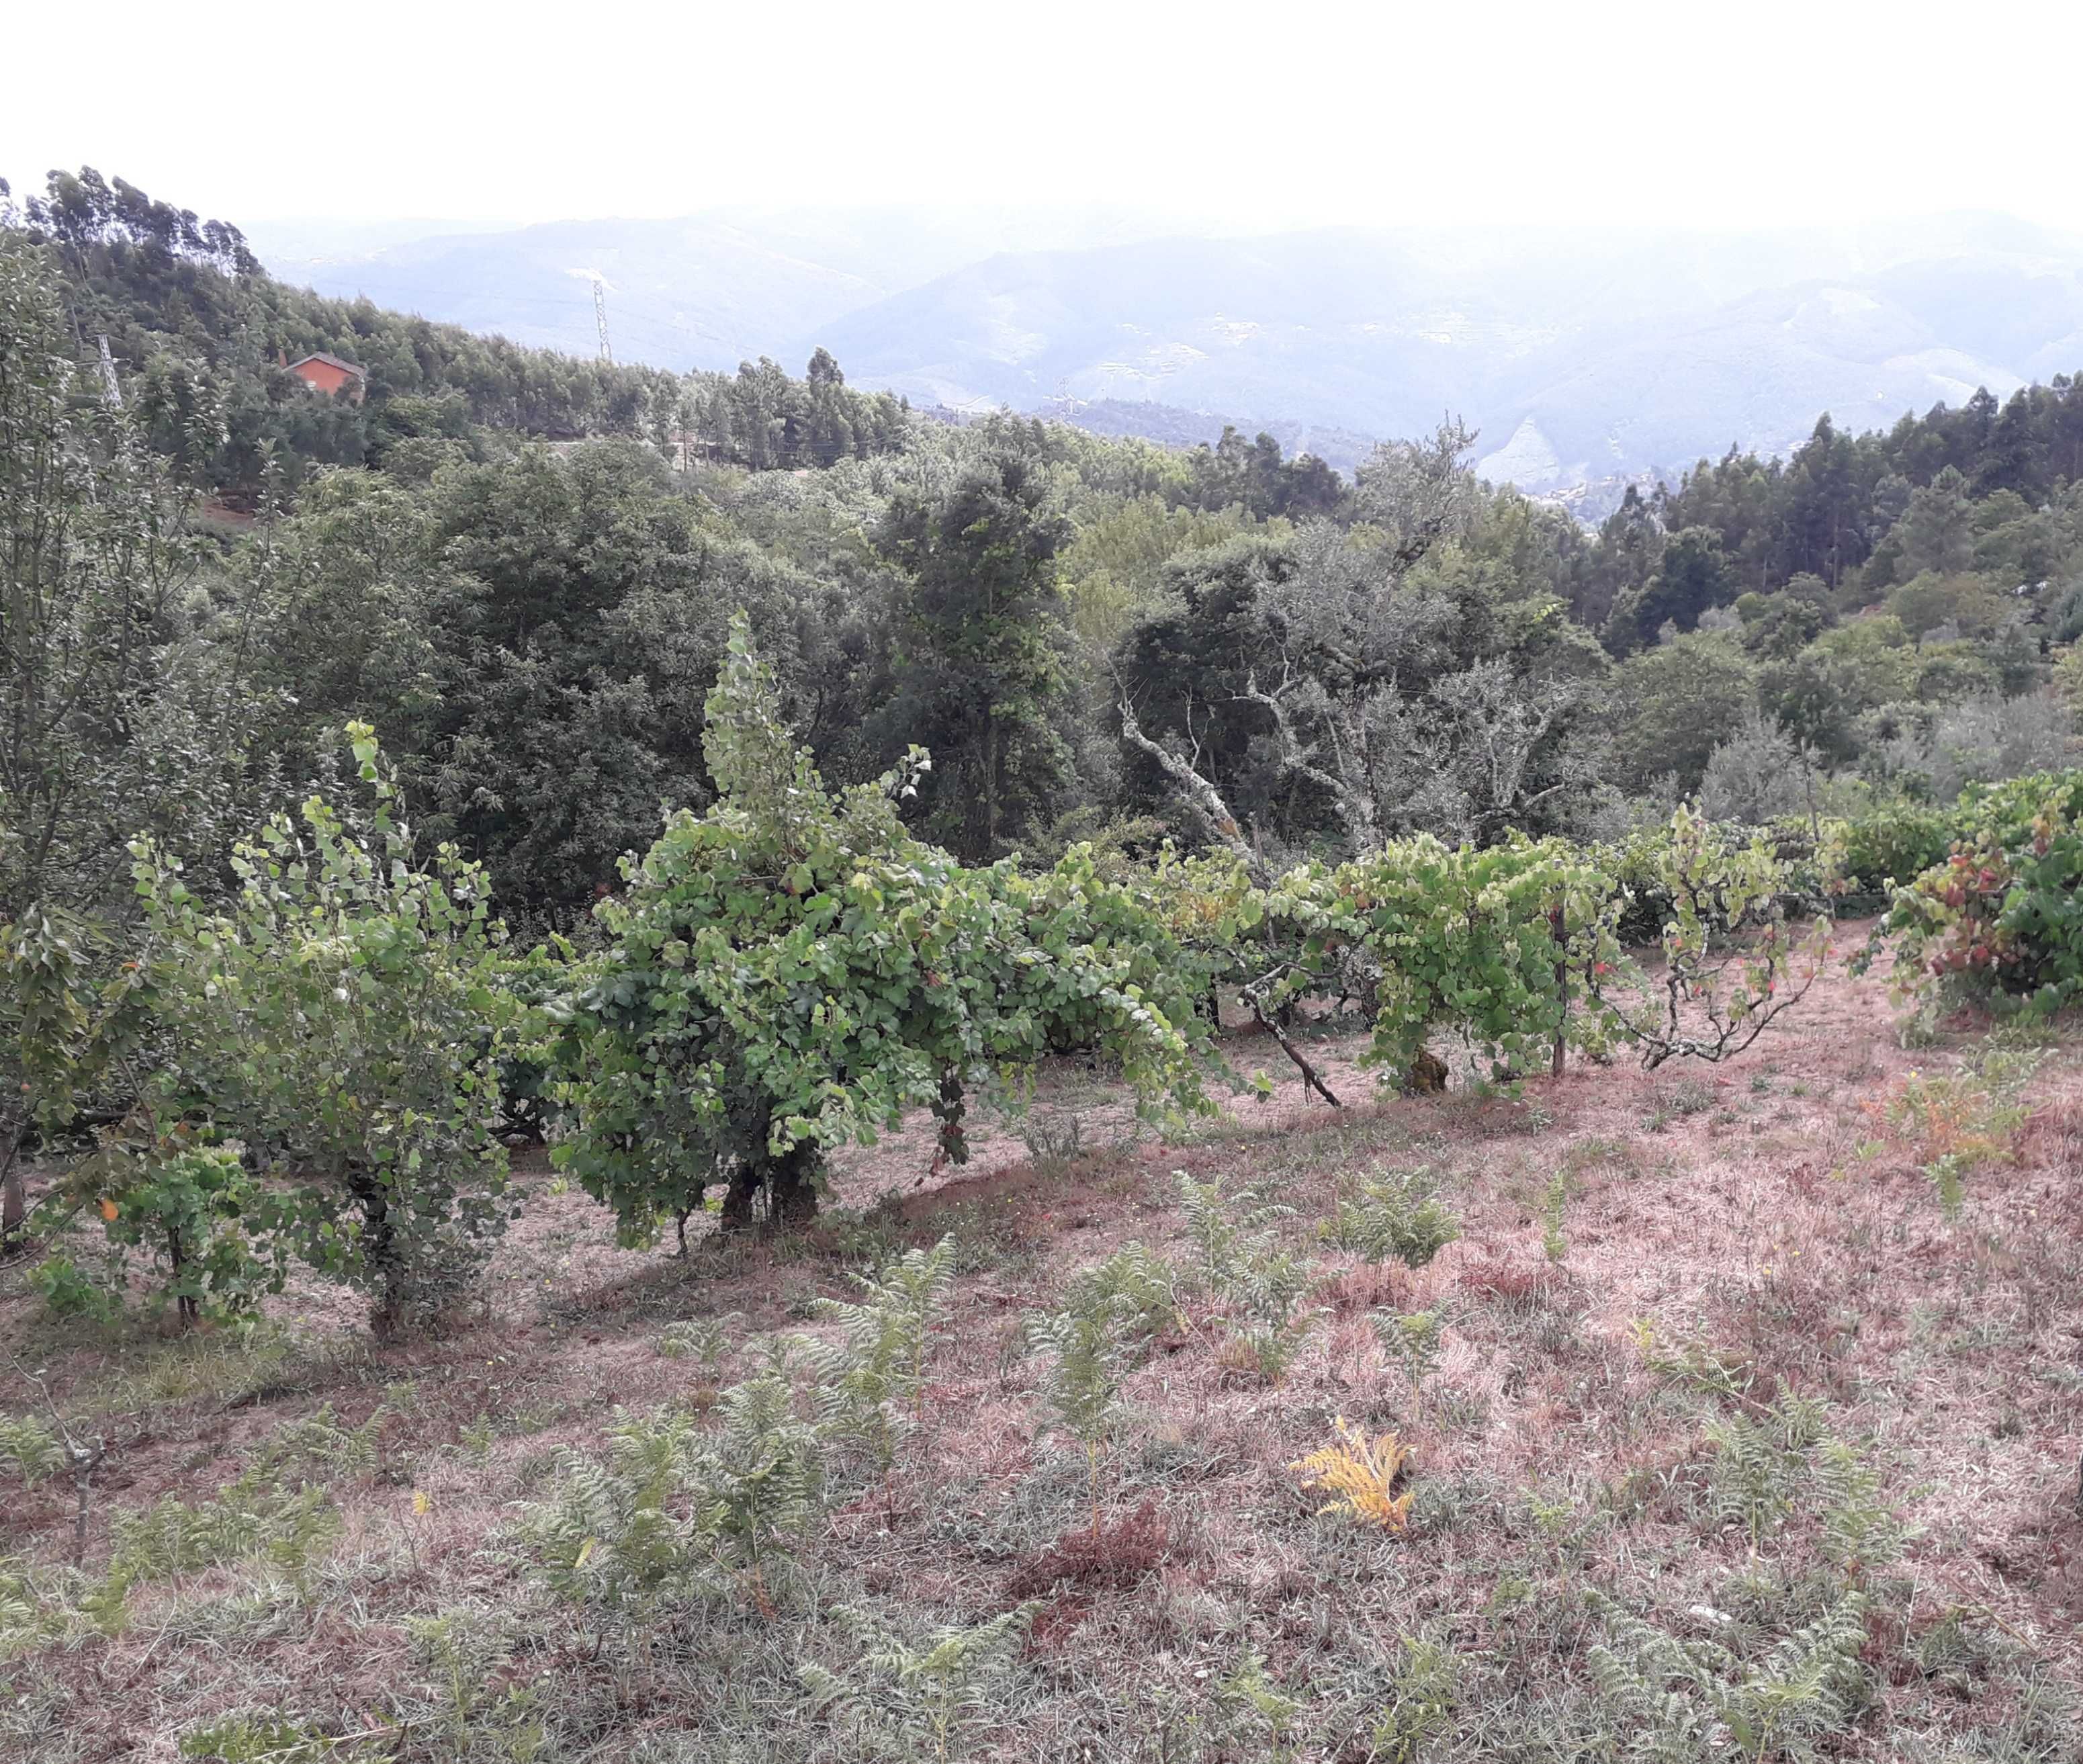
(2004, 908)
(342, 1017)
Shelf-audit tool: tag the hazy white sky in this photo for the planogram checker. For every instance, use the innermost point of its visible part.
(1271, 114)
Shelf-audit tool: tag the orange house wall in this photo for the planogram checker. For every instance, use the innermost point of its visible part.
(327, 380)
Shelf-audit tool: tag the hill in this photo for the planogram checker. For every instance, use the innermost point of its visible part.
(1578, 356)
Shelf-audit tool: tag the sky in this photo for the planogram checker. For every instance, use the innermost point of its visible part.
(1258, 117)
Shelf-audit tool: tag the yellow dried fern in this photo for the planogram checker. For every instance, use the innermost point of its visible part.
(1359, 1474)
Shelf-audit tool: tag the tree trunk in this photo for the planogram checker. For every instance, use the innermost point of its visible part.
(792, 1186)
(790, 1181)
(14, 1196)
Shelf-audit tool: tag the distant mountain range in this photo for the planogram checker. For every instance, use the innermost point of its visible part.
(1580, 355)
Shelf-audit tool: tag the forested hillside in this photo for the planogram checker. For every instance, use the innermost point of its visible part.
(532, 631)
(691, 1068)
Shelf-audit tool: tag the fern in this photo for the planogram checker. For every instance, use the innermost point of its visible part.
(608, 1539)
(252, 1519)
(464, 1649)
(31, 1448)
(1394, 1213)
(1859, 1532)
(265, 1737)
(918, 1698)
(1088, 1353)
(1228, 1231)
(759, 1480)
(1241, 1262)
(1427, 1684)
(1250, 1692)
(707, 1338)
(1685, 1700)
(1141, 1287)
(321, 1439)
(1413, 1342)
(1360, 1474)
(41, 1607)
(872, 1382)
(1760, 1464)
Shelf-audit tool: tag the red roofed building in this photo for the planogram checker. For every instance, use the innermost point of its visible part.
(328, 374)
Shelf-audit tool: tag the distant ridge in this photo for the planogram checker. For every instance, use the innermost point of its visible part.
(1580, 356)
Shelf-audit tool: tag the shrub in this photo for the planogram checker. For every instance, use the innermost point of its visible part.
(1393, 1212)
(342, 1017)
(204, 1224)
(792, 969)
(2004, 907)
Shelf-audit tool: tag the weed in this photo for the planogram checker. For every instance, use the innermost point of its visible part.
(917, 1698)
(1427, 1681)
(1116, 1558)
(1684, 1701)
(873, 1381)
(1553, 1200)
(1394, 1213)
(1962, 1119)
(1360, 1475)
(707, 1339)
(254, 1518)
(30, 1447)
(1413, 1342)
(266, 1737)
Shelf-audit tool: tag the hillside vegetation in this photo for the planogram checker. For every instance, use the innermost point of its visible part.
(783, 1082)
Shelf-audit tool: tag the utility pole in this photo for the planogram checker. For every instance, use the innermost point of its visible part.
(110, 390)
(600, 317)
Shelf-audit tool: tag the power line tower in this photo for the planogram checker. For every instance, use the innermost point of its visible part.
(110, 390)
(600, 318)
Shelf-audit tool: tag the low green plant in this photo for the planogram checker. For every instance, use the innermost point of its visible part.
(267, 1737)
(923, 1699)
(1685, 1701)
(617, 1537)
(1252, 1699)
(1242, 1263)
(1421, 1702)
(1965, 1118)
(1086, 1346)
(871, 1383)
(1393, 1212)
(320, 1439)
(463, 1651)
(707, 1339)
(1762, 1465)
(30, 1449)
(43, 1607)
(1413, 1342)
(255, 1518)
(1554, 1200)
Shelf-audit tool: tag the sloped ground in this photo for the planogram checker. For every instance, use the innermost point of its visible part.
(1641, 1258)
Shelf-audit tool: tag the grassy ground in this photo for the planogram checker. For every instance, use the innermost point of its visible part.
(1670, 1295)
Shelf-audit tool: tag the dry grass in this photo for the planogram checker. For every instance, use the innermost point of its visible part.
(1771, 1238)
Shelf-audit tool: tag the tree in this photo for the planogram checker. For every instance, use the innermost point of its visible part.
(981, 677)
(1683, 699)
(1692, 576)
(111, 720)
(792, 969)
(342, 1017)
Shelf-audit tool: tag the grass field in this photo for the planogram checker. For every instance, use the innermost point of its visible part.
(1742, 1416)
